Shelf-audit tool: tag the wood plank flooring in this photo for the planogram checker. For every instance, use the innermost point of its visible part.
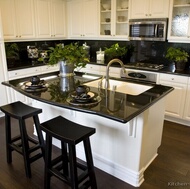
(171, 168)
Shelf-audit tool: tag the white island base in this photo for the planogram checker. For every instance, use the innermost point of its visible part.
(122, 150)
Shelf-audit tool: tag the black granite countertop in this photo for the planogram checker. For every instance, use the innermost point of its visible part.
(113, 105)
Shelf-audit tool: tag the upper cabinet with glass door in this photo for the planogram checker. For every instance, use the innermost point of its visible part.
(179, 25)
(114, 19)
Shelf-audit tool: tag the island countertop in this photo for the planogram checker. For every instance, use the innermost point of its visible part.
(113, 105)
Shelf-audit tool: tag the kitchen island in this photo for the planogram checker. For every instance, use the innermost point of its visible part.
(128, 127)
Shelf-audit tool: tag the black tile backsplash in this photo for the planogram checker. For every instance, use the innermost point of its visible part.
(145, 51)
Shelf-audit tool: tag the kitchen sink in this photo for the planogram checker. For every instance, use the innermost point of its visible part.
(121, 86)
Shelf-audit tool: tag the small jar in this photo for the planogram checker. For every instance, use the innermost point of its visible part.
(100, 56)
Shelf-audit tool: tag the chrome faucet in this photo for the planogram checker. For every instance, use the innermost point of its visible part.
(107, 70)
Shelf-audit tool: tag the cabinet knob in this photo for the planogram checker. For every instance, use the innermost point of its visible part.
(149, 14)
(146, 14)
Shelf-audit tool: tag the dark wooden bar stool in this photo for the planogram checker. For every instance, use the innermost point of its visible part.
(64, 167)
(23, 143)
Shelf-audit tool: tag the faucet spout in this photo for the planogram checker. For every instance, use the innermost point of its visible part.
(107, 70)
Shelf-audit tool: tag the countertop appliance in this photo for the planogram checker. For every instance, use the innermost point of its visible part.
(137, 75)
(148, 29)
(145, 66)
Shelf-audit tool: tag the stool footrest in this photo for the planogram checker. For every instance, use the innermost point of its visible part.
(34, 148)
(56, 160)
(59, 175)
(33, 140)
(35, 157)
(14, 139)
(16, 148)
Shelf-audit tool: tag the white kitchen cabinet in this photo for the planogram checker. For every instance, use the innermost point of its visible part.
(17, 19)
(16, 74)
(3, 99)
(82, 18)
(27, 72)
(187, 103)
(179, 22)
(149, 9)
(175, 102)
(50, 19)
(91, 68)
(114, 20)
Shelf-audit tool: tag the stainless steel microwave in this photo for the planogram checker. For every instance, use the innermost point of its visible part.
(148, 29)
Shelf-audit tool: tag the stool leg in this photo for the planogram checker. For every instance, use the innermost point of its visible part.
(25, 147)
(48, 154)
(39, 133)
(65, 158)
(90, 164)
(8, 138)
(73, 166)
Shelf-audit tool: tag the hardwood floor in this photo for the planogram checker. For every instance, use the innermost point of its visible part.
(170, 169)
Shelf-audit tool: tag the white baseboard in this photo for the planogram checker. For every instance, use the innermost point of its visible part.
(133, 178)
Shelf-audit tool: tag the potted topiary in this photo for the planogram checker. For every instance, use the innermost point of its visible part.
(116, 51)
(178, 56)
(69, 57)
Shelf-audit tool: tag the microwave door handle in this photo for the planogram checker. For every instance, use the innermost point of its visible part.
(156, 31)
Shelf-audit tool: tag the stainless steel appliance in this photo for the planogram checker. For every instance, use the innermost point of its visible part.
(148, 29)
(150, 77)
(145, 66)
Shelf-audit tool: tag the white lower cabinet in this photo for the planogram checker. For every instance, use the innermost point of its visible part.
(176, 100)
(187, 103)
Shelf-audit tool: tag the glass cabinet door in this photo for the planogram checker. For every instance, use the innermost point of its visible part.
(121, 19)
(105, 17)
(114, 18)
(180, 19)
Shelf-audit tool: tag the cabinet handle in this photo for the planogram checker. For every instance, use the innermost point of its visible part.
(149, 14)
(172, 78)
(16, 35)
(146, 14)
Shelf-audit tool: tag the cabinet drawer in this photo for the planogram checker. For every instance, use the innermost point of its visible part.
(24, 73)
(173, 78)
(94, 67)
(46, 69)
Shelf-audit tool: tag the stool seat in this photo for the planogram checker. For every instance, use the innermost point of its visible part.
(20, 110)
(65, 166)
(24, 144)
(66, 130)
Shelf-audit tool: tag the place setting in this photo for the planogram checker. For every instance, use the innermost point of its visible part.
(82, 96)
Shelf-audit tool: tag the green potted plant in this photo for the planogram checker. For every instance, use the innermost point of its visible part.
(69, 57)
(12, 53)
(178, 56)
(116, 51)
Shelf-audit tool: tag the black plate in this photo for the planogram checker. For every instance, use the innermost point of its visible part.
(88, 98)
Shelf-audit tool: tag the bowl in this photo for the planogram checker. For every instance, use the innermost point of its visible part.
(106, 6)
(107, 19)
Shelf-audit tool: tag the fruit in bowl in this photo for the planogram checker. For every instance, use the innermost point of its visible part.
(106, 6)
